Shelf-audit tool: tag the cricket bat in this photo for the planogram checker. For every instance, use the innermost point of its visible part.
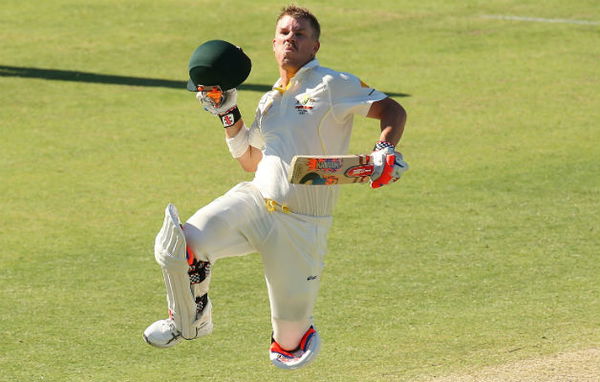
(330, 170)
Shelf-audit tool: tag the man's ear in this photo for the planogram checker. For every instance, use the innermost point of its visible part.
(316, 49)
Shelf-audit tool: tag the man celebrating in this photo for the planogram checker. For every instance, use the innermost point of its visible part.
(309, 111)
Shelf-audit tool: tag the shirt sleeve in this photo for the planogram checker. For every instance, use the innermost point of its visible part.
(349, 95)
(255, 137)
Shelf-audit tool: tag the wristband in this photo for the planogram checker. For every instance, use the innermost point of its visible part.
(382, 145)
(230, 117)
(240, 143)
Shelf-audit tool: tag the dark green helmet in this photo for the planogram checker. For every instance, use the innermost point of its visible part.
(218, 63)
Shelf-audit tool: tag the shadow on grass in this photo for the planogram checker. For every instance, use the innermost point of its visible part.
(76, 76)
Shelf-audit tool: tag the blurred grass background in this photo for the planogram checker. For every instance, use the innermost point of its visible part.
(485, 252)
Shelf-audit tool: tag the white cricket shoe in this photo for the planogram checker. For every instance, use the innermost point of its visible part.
(164, 333)
(305, 353)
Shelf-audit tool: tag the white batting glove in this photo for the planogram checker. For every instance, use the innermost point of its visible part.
(388, 164)
(229, 100)
(225, 107)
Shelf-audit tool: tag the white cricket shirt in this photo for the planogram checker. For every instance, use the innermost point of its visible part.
(312, 116)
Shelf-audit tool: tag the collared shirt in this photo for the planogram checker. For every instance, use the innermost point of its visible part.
(313, 115)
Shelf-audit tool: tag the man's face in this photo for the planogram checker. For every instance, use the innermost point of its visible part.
(294, 44)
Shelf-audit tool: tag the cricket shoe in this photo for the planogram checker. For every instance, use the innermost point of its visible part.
(164, 333)
(304, 354)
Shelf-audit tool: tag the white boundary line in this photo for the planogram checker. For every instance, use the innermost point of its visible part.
(541, 20)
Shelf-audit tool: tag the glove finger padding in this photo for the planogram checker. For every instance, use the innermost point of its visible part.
(386, 172)
(379, 161)
(389, 171)
(206, 99)
(400, 166)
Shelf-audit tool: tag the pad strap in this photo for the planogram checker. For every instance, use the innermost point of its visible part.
(199, 274)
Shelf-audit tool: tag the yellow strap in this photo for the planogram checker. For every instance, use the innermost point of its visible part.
(273, 206)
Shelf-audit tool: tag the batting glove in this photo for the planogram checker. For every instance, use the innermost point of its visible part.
(388, 164)
(221, 104)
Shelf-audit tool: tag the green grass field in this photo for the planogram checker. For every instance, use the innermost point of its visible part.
(486, 252)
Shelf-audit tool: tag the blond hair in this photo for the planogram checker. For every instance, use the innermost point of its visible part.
(302, 13)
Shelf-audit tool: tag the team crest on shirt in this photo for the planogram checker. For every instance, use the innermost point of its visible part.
(304, 104)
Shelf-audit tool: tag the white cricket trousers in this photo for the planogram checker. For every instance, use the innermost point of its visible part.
(292, 247)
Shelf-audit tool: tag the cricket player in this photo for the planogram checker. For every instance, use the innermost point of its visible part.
(309, 111)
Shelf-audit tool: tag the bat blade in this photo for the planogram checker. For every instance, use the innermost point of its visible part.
(330, 170)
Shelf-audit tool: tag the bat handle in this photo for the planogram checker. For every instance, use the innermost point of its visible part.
(386, 174)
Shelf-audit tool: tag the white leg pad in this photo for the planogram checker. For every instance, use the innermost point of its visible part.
(170, 254)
